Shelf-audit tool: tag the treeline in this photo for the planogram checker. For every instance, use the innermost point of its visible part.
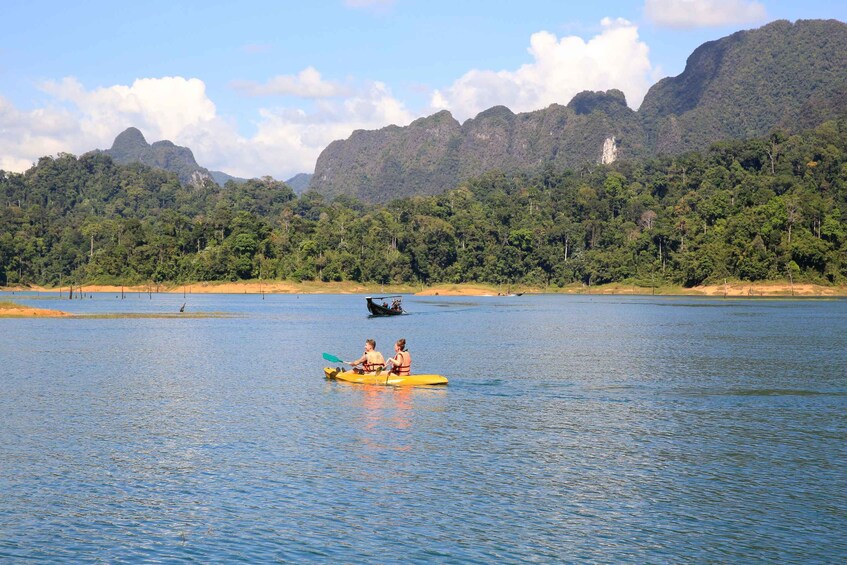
(761, 209)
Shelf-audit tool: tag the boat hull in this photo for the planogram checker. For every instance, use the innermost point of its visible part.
(384, 378)
(378, 310)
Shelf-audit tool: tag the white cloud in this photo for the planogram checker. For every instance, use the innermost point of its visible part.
(26, 136)
(287, 140)
(299, 136)
(306, 84)
(703, 13)
(561, 68)
(165, 106)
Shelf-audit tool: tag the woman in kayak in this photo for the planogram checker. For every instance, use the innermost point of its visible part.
(401, 363)
(371, 360)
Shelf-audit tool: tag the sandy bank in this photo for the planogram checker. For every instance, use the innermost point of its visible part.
(735, 289)
(240, 287)
(12, 310)
(769, 289)
(459, 290)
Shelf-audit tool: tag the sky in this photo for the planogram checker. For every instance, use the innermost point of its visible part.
(261, 87)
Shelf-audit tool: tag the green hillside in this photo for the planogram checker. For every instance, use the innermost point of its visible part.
(773, 207)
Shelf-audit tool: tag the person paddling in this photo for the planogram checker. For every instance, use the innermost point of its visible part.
(371, 360)
(401, 363)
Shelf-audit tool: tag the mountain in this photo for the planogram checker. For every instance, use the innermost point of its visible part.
(131, 147)
(783, 75)
(299, 183)
(433, 154)
(746, 84)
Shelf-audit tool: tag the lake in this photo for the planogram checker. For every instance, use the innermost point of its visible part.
(574, 429)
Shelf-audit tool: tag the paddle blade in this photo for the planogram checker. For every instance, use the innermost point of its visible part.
(332, 358)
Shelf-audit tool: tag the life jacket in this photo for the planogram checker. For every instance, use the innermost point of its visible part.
(405, 368)
(373, 362)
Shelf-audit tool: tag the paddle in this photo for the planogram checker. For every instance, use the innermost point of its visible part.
(332, 358)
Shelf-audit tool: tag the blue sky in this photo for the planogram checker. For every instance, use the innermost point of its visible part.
(261, 87)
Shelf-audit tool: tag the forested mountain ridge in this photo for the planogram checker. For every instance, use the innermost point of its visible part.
(131, 147)
(748, 83)
(773, 207)
(784, 75)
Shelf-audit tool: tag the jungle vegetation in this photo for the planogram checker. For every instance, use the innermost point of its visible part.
(770, 208)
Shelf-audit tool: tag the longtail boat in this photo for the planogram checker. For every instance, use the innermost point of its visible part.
(379, 305)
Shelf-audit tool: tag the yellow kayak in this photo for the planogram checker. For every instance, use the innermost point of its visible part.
(384, 378)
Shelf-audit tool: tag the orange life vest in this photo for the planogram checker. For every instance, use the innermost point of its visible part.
(406, 367)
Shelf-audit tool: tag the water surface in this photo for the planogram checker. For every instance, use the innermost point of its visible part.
(574, 428)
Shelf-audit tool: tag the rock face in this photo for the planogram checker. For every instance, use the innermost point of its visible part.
(131, 147)
(433, 154)
(781, 75)
(610, 151)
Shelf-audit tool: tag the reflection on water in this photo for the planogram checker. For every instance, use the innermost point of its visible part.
(574, 428)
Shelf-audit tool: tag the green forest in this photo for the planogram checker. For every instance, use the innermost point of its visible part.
(761, 209)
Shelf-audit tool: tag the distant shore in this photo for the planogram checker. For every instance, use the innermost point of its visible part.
(775, 289)
(735, 290)
(731, 289)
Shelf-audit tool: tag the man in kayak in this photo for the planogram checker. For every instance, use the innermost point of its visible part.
(401, 363)
(371, 360)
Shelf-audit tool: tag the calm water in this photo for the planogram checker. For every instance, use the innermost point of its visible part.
(574, 428)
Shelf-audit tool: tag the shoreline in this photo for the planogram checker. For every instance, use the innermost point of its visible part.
(775, 289)
(781, 290)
